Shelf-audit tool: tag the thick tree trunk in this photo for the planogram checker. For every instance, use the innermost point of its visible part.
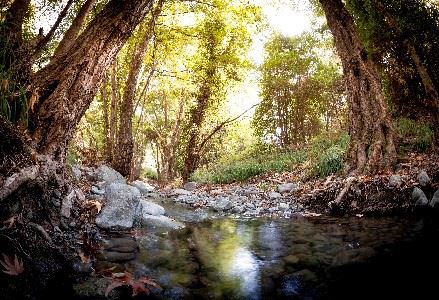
(68, 84)
(104, 95)
(125, 143)
(372, 145)
(74, 29)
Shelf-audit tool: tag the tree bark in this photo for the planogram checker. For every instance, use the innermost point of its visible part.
(74, 29)
(372, 145)
(68, 84)
(113, 114)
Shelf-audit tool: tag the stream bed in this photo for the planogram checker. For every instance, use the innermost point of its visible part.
(297, 258)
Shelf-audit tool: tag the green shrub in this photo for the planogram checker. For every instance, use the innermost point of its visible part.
(328, 154)
(149, 173)
(241, 170)
(413, 135)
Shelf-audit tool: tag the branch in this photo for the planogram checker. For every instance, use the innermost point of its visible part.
(17, 180)
(41, 45)
(221, 125)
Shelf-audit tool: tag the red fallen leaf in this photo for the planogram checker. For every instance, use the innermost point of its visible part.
(12, 267)
(138, 285)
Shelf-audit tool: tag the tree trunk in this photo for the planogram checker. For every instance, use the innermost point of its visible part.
(111, 146)
(196, 119)
(74, 29)
(125, 142)
(68, 84)
(372, 145)
(104, 95)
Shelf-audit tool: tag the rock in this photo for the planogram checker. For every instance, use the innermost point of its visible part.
(107, 174)
(190, 186)
(149, 208)
(117, 243)
(286, 187)
(395, 181)
(119, 211)
(178, 192)
(222, 204)
(79, 195)
(419, 197)
(291, 259)
(423, 178)
(95, 190)
(143, 187)
(284, 206)
(76, 172)
(435, 200)
(55, 202)
(160, 223)
(113, 256)
(67, 204)
(274, 195)
(306, 275)
(80, 267)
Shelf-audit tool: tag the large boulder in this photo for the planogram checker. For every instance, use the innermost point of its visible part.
(107, 174)
(435, 200)
(143, 187)
(222, 204)
(119, 210)
(419, 197)
(149, 208)
(423, 178)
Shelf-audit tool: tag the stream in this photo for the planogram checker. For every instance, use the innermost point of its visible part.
(218, 257)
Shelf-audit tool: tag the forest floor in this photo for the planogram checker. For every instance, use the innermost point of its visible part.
(382, 194)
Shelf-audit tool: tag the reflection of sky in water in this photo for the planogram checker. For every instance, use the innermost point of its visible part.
(270, 239)
(246, 269)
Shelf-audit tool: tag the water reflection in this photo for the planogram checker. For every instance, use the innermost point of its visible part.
(258, 259)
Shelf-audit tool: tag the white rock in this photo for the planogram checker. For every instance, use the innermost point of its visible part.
(143, 187)
(149, 208)
(286, 187)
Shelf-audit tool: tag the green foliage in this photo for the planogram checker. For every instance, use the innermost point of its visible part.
(249, 167)
(149, 173)
(297, 88)
(328, 154)
(414, 135)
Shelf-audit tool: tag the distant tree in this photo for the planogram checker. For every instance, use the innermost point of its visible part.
(298, 91)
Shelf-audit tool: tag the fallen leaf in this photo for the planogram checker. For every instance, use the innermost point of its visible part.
(9, 223)
(12, 267)
(94, 203)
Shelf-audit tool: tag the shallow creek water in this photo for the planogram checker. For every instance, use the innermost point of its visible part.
(297, 258)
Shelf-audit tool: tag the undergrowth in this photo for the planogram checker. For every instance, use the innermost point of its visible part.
(323, 156)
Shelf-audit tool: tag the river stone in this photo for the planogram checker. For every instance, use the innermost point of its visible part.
(359, 255)
(286, 187)
(222, 204)
(149, 208)
(423, 178)
(419, 197)
(190, 186)
(95, 190)
(67, 204)
(160, 223)
(284, 206)
(76, 172)
(435, 200)
(119, 210)
(178, 192)
(113, 256)
(395, 181)
(107, 174)
(274, 195)
(116, 243)
(143, 187)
